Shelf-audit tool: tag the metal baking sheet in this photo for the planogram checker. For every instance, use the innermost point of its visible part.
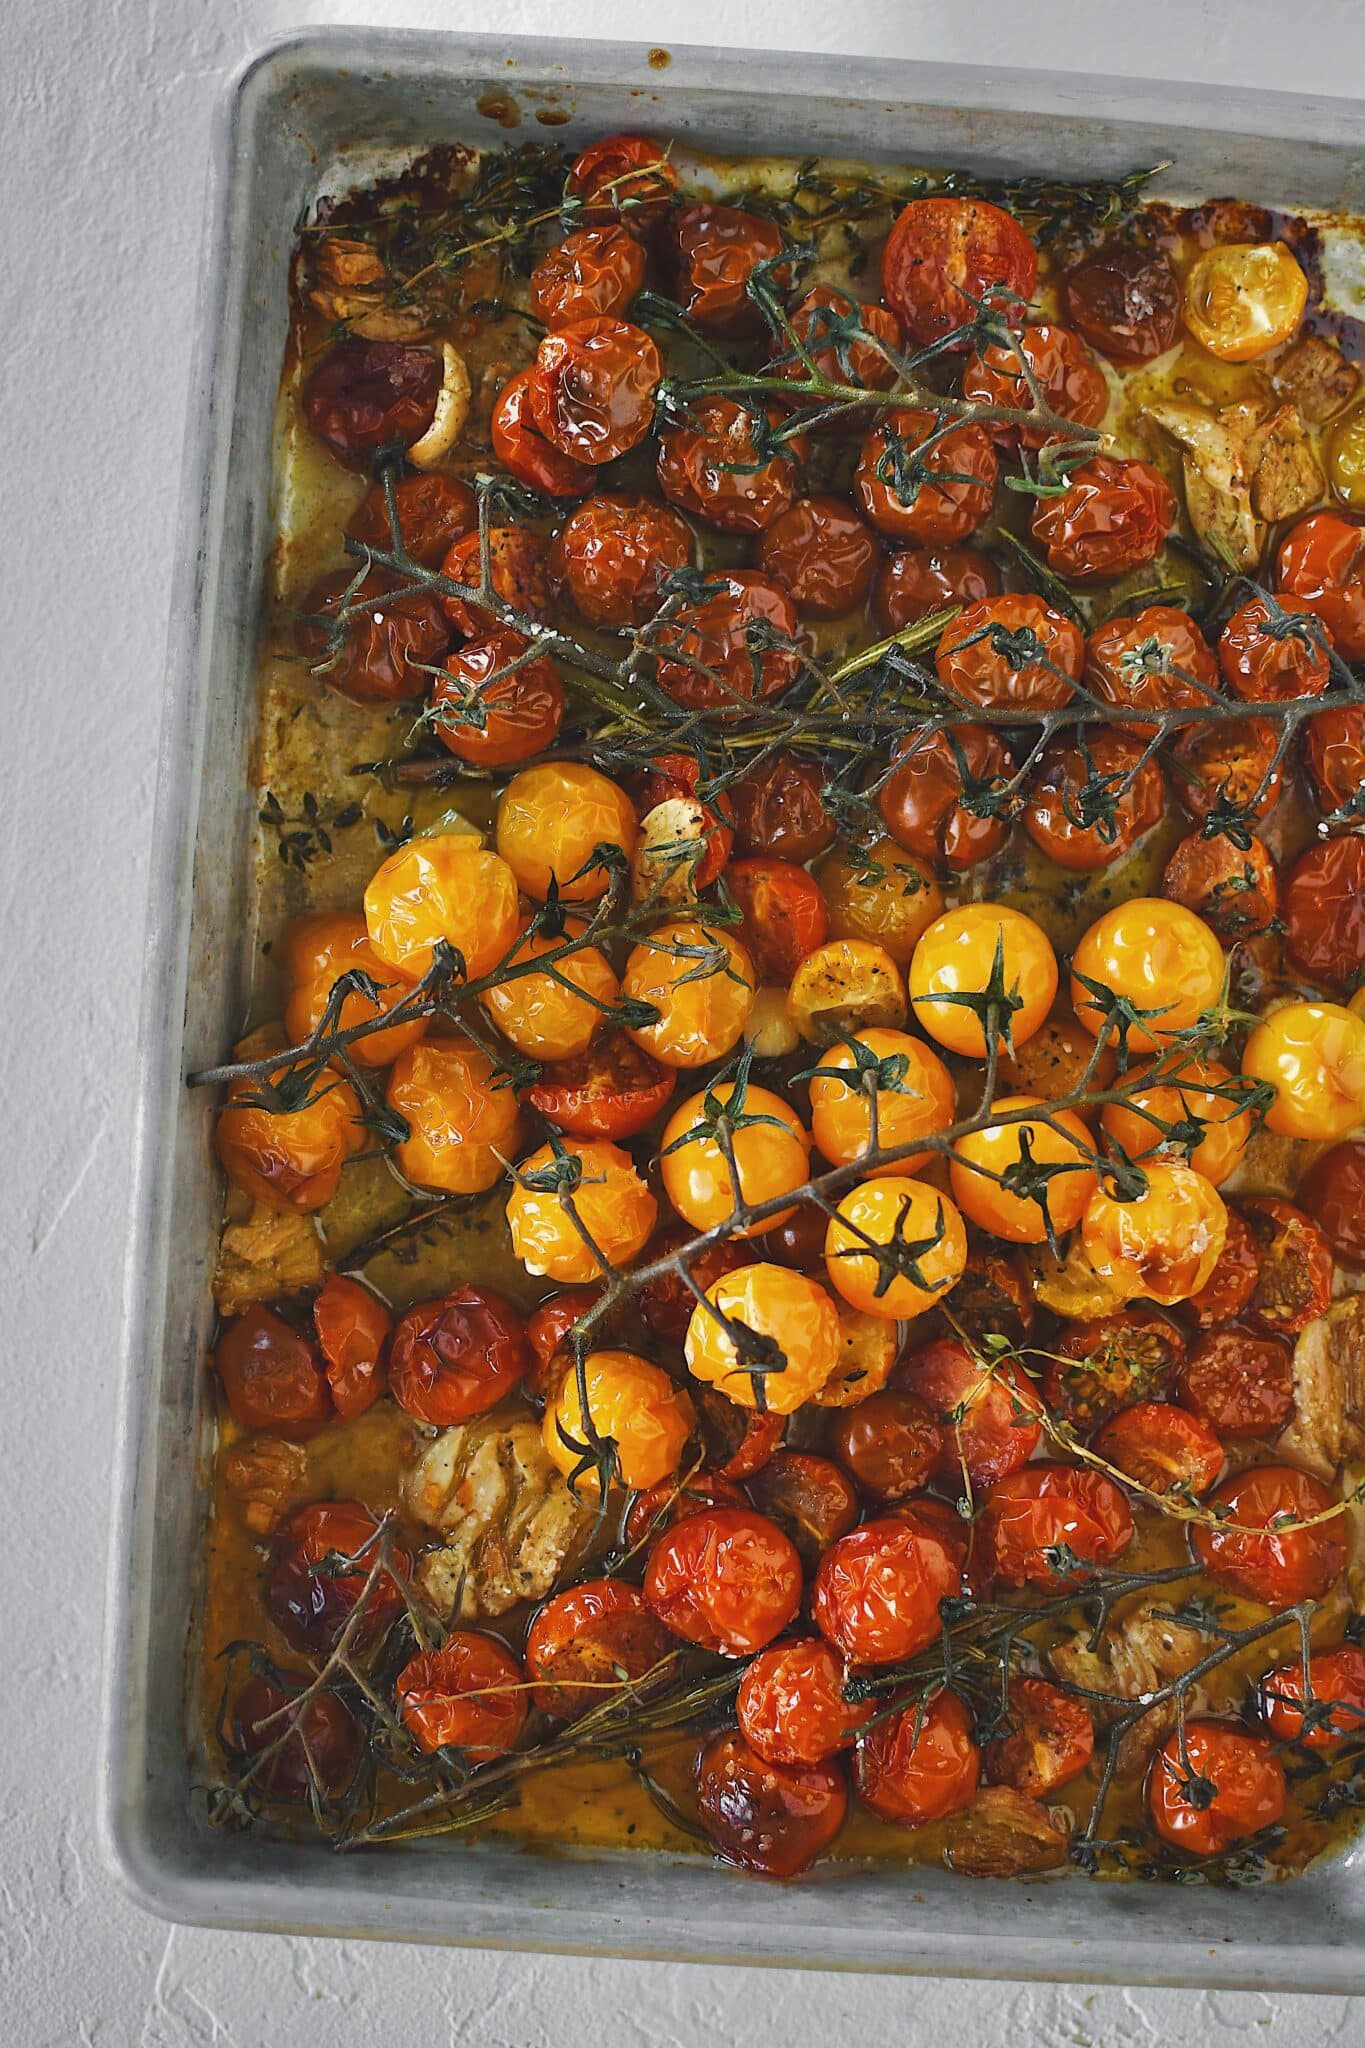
(321, 111)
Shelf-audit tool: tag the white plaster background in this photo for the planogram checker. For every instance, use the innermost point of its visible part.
(103, 125)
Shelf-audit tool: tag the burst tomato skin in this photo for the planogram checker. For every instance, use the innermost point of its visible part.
(877, 1590)
(1112, 517)
(594, 272)
(623, 177)
(1334, 1193)
(456, 1355)
(554, 1015)
(1162, 1447)
(517, 575)
(525, 452)
(726, 1579)
(921, 580)
(940, 803)
(1322, 562)
(914, 483)
(1010, 651)
(1048, 1740)
(492, 718)
(1045, 1505)
(384, 648)
(615, 1211)
(1102, 1365)
(717, 250)
(434, 511)
(784, 915)
(1233, 1282)
(585, 1640)
(1234, 889)
(919, 1766)
(820, 550)
(944, 256)
(1283, 1565)
(1070, 380)
(322, 1742)
(791, 1707)
(987, 1410)
(272, 1377)
(773, 1819)
(353, 1334)
(1268, 657)
(615, 553)
(1294, 1266)
(1228, 771)
(1247, 1781)
(1334, 1710)
(779, 810)
(468, 1695)
(612, 1091)
(366, 395)
(1240, 1381)
(311, 1607)
(1091, 797)
(1125, 302)
(788, 1309)
(444, 887)
(808, 1497)
(592, 388)
(1324, 907)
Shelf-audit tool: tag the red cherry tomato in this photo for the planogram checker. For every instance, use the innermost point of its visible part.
(353, 1334)
(315, 1745)
(738, 1441)
(716, 252)
(944, 800)
(1010, 651)
(1113, 516)
(593, 274)
(272, 1377)
(924, 580)
(807, 1496)
(1240, 1381)
(920, 1764)
(623, 177)
(1234, 889)
(1324, 908)
(726, 1579)
(731, 646)
(433, 509)
(1284, 1564)
(791, 1706)
(1334, 1193)
(548, 1330)
(1092, 796)
(611, 1091)
(658, 1507)
(614, 555)
(1227, 771)
(988, 1411)
(1126, 302)
(784, 915)
(822, 553)
(1162, 1447)
(945, 256)
(310, 1605)
(457, 1355)
(918, 480)
(519, 577)
(367, 395)
(1100, 1365)
(1272, 652)
(1155, 660)
(1069, 380)
(1048, 1740)
(775, 1819)
(779, 810)
(1334, 748)
(666, 1302)
(1322, 561)
(846, 342)
(385, 645)
(587, 1642)
(1233, 1282)
(1046, 1508)
(877, 1590)
(889, 1444)
(724, 462)
(1333, 1708)
(593, 386)
(468, 1695)
(1210, 1792)
(493, 707)
(1294, 1274)
(523, 450)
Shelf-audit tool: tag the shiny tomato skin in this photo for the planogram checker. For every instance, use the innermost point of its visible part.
(1156, 660)
(593, 273)
(468, 1695)
(1221, 1787)
(1295, 1266)
(1101, 1365)
(1228, 1292)
(1092, 795)
(366, 395)
(456, 1355)
(612, 1091)
(920, 1764)
(666, 1302)
(1322, 561)
(942, 259)
(1324, 908)
(704, 658)
(1010, 651)
(548, 1330)
(841, 338)
(272, 1377)
(719, 462)
(738, 1441)
(1269, 656)
(1113, 516)
(716, 251)
(937, 801)
(1069, 379)
(1047, 1741)
(1125, 302)
(592, 389)
(353, 1335)
(915, 483)
(820, 550)
(773, 1819)
(656, 1508)
(321, 1744)
(434, 510)
(1227, 770)
(727, 1579)
(987, 1410)
(791, 1707)
(922, 580)
(877, 1590)
(491, 718)
(1334, 749)
(1044, 1505)
(779, 810)
(583, 1642)
(1280, 1566)
(807, 1496)
(889, 1444)
(1240, 1381)
(311, 1607)
(518, 572)
(523, 449)
(1162, 1447)
(623, 177)
(1334, 1194)
(1234, 889)
(615, 553)
(1334, 1709)
(385, 647)
(784, 914)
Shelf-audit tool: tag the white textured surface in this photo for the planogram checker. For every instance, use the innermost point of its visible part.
(103, 107)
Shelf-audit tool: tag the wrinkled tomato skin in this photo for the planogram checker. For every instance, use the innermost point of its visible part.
(922, 580)
(1091, 797)
(547, 1332)
(791, 1707)
(1322, 561)
(943, 254)
(659, 1507)
(1070, 380)
(1265, 660)
(367, 395)
(457, 1355)
(523, 450)
(353, 1334)
(772, 1819)
(1112, 517)
(615, 553)
(1157, 660)
(784, 915)
(850, 356)
(726, 1579)
(1012, 650)
(703, 653)
(1240, 1381)
(948, 501)
(821, 552)
(519, 577)
(1162, 1447)
(666, 1302)
(592, 388)
(1044, 1505)
(613, 1091)
(1234, 889)
(1334, 748)
(1228, 769)
(919, 1765)
(994, 1297)
(716, 250)
(1126, 303)
(807, 1496)
(889, 1445)
(386, 646)
(623, 177)
(1334, 1193)
(593, 273)
(323, 1729)
(710, 466)
(778, 809)
(468, 1695)
(521, 711)
(1102, 1365)
(598, 1634)
(1048, 1740)
(1324, 908)
(1247, 1780)
(1228, 1292)
(1294, 1275)
(877, 1590)
(1283, 1565)
(272, 1376)
(311, 1607)
(434, 510)
(737, 1442)
(1336, 1680)
(922, 801)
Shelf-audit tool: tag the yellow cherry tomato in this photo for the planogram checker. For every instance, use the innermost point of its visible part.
(1313, 1056)
(879, 892)
(462, 1125)
(1070, 1286)
(537, 1013)
(1185, 1109)
(1163, 1243)
(1346, 460)
(909, 1086)
(895, 1247)
(594, 1181)
(288, 1150)
(551, 820)
(796, 1326)
(1160, 958)
(764, 1137)
(867, 1356)
(314, 954)
(701, 982)
(1243, 298)
(981, 951)
(1003, 1174)
(447, 887)
(631, 1401)
(843, 987)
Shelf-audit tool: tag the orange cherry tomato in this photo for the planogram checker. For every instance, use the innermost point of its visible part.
(736, 643)
(895, 1247)
(1330, 1711)
(1070, 382)
(613, 1091)
(982, 966)
(457, 1355)
(1162, 1243)
(1183, 1108)
(1272, 651)
(316, 1741)
(1244, 298)
(1039, 1519)
(986, 1407)
(880, 894)
(308, 1597)
(590, 1181)
(945, 800)
(468, 1695)
(1126, 302)
(795, 1338)
(726, 1579)
(517, 574)
(594, 273)
(380, 653)
(1048, 1740)
(1227, 774)
(588, 1643)
(820, 550)
(1272, 1550)
(1015, 1177)
(1162, 1447)
(615, 553)
(921, 1764)
(593, 386)
(1155, 660)
(1334, 749)
(1145, 971)
(1092, 795)
(1112, 517)
(462, 1118)
(846, 985)
(366, 395)
(945, 256)
(353, 1335)
(725, 462)
(1240, 1381)
(1214, 1790)
(623, 177)
(922, 580)
(877, 1590)
(317, 949)
(447, 887)
(1234, 889)
(1294, 1266)
(784, 915)
(551, 821)
(523, 449)
(791, 1707)
(1322, 561)
(634, 1406)
(701, 982)
(289, 1157)
(537, 1012)
(716, 251)
(775, 1819)
(434, 509)
(920, 479)
(879, 1088)
(889, 1444)
(494, 706)
(731, 1145)
(779, 809)
(272, 1377)
(1324, 907)
(1313, 1056)
(1010, 651)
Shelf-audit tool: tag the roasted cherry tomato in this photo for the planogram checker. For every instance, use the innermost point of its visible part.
(1070, 382)
(1334, 748)
(456, 1355)
(552, 820)
(1126, 303)
(1162, 1447)
(495, 703)
(791, 1706)
(731, 1145)
(883, 1086)
(657, 1508)
(1232, 1283)
(701, 982)
(784, 915)
(726, 1579)
(889, 1444)
(286, 1157)
(443, 888)
(544, 1015)
(1240, 1381)
(623, 177)
(666, 1301)
(881, 894)
(1211, 1785)
(380, 653)
(353, 1335)
(1012, 651)
(317, 949)
(1227, 773)
(1025, 1178)
(987, 1410)
(635, 1408)
(778, 809)
(1334, 1193)
(592, 389)
(586, 1644)
(1313, 1056)
(793, 1346)
(821, 552)
(1297, 1557)
(593, 274)
(1100, 1366)
(1113, 516)
(1092, 796)
(895, 1246)
(523, 449)
(877, 1591)
(1183, 1108)
(775, 1819)
(574, 1207)
(946, 257)
(434, 509)
(924, 580)
(615, 554)
(1244, 298)
(462, 1117)
(468, 1695)
(367, 395)
(613, 1091)
(945, 799)
(1294, 1265)
(808, 1497)
(922, 479)
(920, 1764)
(994, 1297)
(732, 645)
(737, 1442)
(309, 1599)
(310, 1747)
(1162, 1243)
(1324, 908)
(982, 973)
(717, 251)
(272, 1377)
(725, 463)
(1332, 1708)
(1047, 1524)
(1047, 1740)
(1322, 561)
(1158, 960)
(1155, 660)
(517, 574)
(1234, 889)
(548, 1332)
(669, 777)
(846, 985)
(847, 343)
(1273, 650)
